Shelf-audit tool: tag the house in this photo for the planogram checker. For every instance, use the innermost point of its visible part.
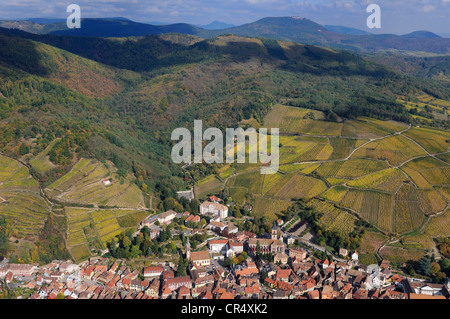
(343, 252)
(192, 218)
(214, 199)
(218, 246)
(68, 268)
(270, 283)
(201, 258)
(243, 236)
(18, 270)
(313, 294)
(203, 281)
(214, 209)
(216, 226)
(153, 289)
(299, 253)
(166, 217)
(177, 282)
(106, 182)
(225, 247)
(426, 288)
(184, 293)
(281, 294)
(281, 258)
(283, 274)
(154, 232)
(8, 277)
(355, 256)
(153, 271)
(230, 230)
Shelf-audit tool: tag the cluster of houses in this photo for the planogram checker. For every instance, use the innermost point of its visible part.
(298, 276)
(294, 272)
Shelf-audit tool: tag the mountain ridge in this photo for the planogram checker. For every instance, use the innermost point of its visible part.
(295, 29)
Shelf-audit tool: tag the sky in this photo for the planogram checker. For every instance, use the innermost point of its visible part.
(397, 16)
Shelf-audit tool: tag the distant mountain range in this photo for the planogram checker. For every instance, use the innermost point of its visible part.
(421, 35)
(345, 30)
(294, 29)
(216, 25)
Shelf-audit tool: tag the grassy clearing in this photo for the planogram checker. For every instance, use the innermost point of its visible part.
(371, 241)
(41, 162)
(238, 194)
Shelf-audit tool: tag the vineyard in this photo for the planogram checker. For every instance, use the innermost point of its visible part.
(351, 168)
(269, 207)
(428, 171)
(436, 227)
(334, 219)
(292, 120)
(91, 229)
(335, 194)
(389, 180)
(400, 254)
(300, 186)
(20, 199)
(395, 149)
(365, 128)
(208, 185)
(433, 140)
(342, 147)
(84, 185)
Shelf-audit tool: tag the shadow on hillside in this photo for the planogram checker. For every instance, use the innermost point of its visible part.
(22, 54)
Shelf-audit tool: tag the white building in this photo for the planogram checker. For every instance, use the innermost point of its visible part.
(166, 217)
(210, 208)
(225, 247)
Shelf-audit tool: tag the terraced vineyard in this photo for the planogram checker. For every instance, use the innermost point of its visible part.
(84, 184)
(90, 229)
(20, 199)
(394, 149)
(334, 218)
(386, 173)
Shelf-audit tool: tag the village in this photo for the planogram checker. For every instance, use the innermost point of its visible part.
(230, 265)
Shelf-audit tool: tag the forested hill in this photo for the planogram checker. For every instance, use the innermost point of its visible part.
(119, 98)
(296, 29)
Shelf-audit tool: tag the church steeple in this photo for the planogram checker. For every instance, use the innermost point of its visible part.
(275, 229)
(188, 249)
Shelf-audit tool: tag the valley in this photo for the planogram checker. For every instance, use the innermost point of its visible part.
(363, 146)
